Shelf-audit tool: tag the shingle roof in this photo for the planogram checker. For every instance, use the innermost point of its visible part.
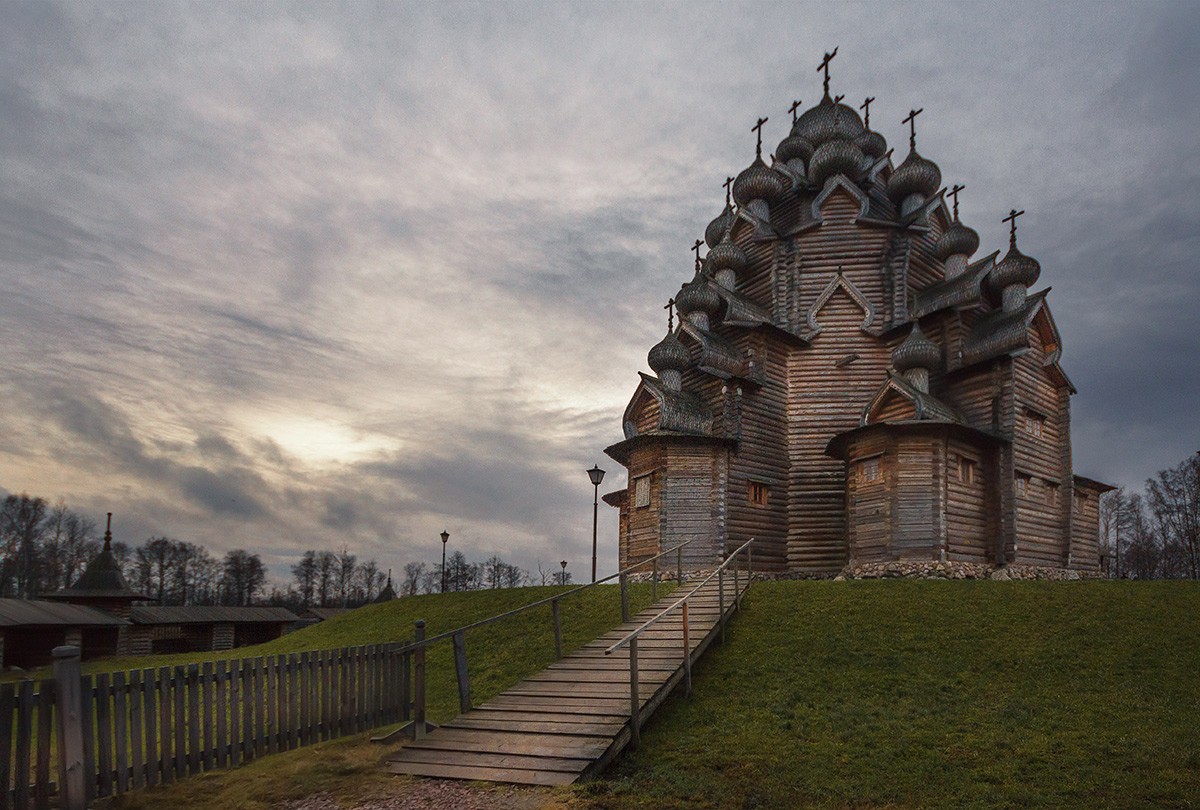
(24, 612)
(205, 614)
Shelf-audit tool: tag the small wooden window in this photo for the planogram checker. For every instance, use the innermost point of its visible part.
(1034, 424)
(868, 470)
(1080, 501)
(967, 469)
(641, 491)
(1051, 494)
(759, 493)
(1022, 485)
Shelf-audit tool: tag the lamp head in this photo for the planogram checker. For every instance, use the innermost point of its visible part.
(564, 564)
(445, 536)
(596, 474)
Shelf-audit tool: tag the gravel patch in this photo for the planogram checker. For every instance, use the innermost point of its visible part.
(443, 794)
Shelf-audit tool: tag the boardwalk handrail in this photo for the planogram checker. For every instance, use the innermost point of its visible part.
(630, 639)
(417, 727)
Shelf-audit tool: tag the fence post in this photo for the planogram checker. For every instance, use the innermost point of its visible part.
(67, 689)
(750, 562)
(635, 732)
(460, 669)
(654, 580)
(687, 654)
(557, 629)
(737, 587)
(721, 598)
(419, 678)
(624, 597)
(679, 565)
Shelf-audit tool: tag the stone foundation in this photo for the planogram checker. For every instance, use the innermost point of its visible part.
(931, 569)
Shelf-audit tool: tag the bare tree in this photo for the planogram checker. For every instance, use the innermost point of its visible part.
(346, 563)
(368, 580)
(305, 575)
(22, 526)
(414, 574)
(245, 576)
(326, 577)
(1173, 496)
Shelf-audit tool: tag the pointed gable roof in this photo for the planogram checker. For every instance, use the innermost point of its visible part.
(102, 579)
(926, 406)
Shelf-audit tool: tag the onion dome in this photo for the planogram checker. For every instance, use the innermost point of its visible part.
(915, 175)
(725, 256)
(958, 239)
(871, 143)
(697, 296)
(835, 157)
(758, 182)
(828, 121)
(1014, 268)
(793, 147)
(917, 351)
(716, 229)
(669, 354)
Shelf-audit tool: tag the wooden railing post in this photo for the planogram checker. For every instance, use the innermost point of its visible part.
(558, 650)
(68, 691)
(419, 681)
(635, 731)
(679, 565)
(459, 640)
(654, 580)
(721, 601)
(750, 562)
(737, 586)
(624, 597)
(687, 653)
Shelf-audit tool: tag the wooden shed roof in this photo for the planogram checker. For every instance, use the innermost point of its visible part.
(36, 613)
(209, 614)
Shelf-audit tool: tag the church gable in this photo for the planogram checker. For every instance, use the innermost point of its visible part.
(842, 302)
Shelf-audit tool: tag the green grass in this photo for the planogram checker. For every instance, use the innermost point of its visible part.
(934, 694)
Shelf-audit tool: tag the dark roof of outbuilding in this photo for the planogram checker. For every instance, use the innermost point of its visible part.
(323, 613)
(209, 614)
(102, 578)
(24, 612)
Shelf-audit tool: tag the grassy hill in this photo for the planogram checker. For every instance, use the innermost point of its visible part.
(934, 694)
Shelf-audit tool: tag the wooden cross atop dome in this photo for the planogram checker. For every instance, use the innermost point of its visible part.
(953, 195)
(1012, 219)
(696, 250)
(911, 120)
(670, 308)
(792, 109)
(728, 185)
(758, 128)
(866, 108)
(824, 66)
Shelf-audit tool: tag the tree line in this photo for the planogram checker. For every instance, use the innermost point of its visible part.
(46, 547)
(1155, 534)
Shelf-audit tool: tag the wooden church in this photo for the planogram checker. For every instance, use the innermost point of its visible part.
(850, 383)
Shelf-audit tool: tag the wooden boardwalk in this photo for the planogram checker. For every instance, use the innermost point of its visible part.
(569, 721)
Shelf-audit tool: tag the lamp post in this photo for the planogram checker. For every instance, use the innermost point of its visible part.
(563, 580)
(597, 475)
(445, 537)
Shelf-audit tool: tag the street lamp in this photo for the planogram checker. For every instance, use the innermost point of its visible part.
(445, 537)
(597, 475)
(564, 572)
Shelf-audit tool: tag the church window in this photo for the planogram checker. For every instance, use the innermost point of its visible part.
(641, 491)
(868, 471)
(1051, 494)
(967, 470)
(758, 493)
(1080, 501)
(1034, 423)
(1022, 482)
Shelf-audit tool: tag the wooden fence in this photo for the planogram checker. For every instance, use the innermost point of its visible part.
(77, 737)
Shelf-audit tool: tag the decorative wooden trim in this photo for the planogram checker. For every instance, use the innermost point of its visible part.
(855, 294)
(831, 185)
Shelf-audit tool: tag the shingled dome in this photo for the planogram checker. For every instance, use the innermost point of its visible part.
(917, 351)
(697, 296)
(826, 122)
(1014, 268)
(669, 354)
(758, 182)
(957, 240)
(717, 228)
(725, 256)
(835, 157)
(793, 147)
(915, 175)
(871, 143)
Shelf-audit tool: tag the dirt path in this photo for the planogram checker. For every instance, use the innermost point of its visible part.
(443, 794)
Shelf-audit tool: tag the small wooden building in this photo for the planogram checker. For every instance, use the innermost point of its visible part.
(31, 629)
(198, 628)
(847, 383)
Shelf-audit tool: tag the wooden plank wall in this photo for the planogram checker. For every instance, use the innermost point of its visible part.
(869, 503)
(690, 501)
(645, 522)
(1085, 531)
(1039, 522)
(151, 727)
(968, 529)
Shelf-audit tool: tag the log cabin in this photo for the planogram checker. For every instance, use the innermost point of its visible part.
(849, 383)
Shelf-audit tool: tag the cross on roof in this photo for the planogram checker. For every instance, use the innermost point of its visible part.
(696, 249)
(792, 109)
(1012, 218)
(912, 122)
(825, 67)
(758, 128)
(728, 184)
(866, 108)
(670, 308)
(953, 194)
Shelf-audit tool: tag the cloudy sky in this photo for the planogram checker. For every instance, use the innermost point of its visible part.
(290, 275)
